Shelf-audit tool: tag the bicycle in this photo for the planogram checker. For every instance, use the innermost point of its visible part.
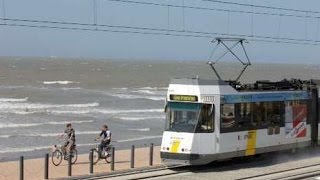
(98, 155)
(58, 153)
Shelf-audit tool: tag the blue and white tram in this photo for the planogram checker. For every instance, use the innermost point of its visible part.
(211, 120)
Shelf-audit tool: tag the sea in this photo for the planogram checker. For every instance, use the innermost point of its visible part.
(39, 96)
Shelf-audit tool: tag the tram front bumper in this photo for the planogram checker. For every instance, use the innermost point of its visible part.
(182, 159)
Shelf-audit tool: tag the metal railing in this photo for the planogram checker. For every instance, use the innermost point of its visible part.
(34, 168)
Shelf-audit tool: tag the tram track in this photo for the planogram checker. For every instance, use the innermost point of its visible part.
(288, 174)
(298, 173)
(142, 172)
(165, 172)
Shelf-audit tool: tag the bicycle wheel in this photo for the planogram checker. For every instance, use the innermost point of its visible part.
(95, 156)
(56, 157)
(74, 156)
(108, 156)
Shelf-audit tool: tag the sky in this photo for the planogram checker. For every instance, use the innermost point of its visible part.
(25, 41)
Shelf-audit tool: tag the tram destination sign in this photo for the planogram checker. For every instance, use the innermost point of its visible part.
(188, 98)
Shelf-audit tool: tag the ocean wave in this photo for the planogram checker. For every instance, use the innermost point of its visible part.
(139, 138)
(153, 88)
(47, 134)
(9, 125)
(37, 148)
(30, 107)
(142, 129)
(125, 93)
(11, 87)
(14, 99)
(149, 88)
(131, 96)
(142, 91)
(24, 149)
(5, 136)
(12, 125)
(59, 82)
(105, 111)
(123, 88)
(140, 118)
(71, 88)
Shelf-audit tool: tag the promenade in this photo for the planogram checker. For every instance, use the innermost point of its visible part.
(34, 168)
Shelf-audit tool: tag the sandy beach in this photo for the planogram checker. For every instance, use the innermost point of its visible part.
(34, 168)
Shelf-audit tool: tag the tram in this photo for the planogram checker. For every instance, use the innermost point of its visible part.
(210, 120)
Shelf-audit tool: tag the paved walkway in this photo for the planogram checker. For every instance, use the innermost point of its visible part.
(34, 168)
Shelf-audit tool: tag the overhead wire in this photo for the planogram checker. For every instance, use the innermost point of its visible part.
(212, 9)
(190, 33)
(213, 35)
(262, 6)
(153, 31)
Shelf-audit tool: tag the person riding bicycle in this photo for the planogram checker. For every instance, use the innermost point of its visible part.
(70, 138)
(106, 133)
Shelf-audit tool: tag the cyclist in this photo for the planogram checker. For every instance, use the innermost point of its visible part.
(105, 132)
(70, 139)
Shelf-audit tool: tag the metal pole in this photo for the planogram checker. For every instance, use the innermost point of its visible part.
(132, 157)
(21, 168)
(151, 155)
(112, 158)
(91, 161)
(69, 166)
(46, 166)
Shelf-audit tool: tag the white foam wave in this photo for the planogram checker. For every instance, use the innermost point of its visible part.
(153, 88)
(11, 125)
(59, 82)
(71, 88)
(139, 138)
(25, 149)
(131, 96)
(48, 134)
(31, 108)
(71, 111)
(149, 88)
(5, 136)
(37, 148)
(13, 99)
(142, 130)
(11, 87)
(144, 91)
(124, 88)
(140, 118)
(72, 122)
(106, 111)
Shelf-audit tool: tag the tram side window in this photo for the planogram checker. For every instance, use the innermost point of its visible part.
(274, 115)
(244, 115)
(257, 115)
(228, 116)
(206, 120)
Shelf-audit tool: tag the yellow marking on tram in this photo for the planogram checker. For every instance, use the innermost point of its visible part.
(175, 146)
(251, 143)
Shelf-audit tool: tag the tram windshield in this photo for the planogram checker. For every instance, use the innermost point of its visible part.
(189, 117)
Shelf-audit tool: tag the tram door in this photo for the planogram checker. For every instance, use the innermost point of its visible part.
(272, 119)
(246, 138)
